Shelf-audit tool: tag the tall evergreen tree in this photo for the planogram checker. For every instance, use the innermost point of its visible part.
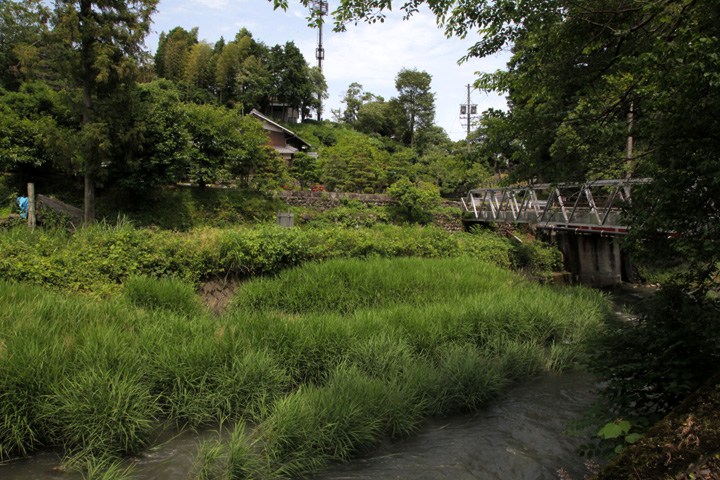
(104, 40)
(228, 67)
(416, 99)
(199, 68)
(23, 25)
(292, 84)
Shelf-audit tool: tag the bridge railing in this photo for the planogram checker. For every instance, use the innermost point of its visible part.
(593, 206)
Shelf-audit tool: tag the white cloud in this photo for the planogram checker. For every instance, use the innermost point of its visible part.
(214, 4)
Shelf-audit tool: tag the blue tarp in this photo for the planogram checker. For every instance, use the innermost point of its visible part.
(23, 204)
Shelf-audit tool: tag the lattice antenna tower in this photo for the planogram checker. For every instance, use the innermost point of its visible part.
(319, 9)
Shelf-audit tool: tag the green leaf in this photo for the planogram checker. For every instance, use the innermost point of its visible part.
(610, 430)
(633, 437)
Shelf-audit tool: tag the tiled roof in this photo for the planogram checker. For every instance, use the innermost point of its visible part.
(286, 149)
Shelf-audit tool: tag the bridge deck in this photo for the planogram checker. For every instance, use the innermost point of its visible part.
(591, 207)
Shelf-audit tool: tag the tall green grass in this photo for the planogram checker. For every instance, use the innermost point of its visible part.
(321, 362)
(345, 286)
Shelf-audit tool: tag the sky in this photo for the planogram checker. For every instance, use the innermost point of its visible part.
(371, 55)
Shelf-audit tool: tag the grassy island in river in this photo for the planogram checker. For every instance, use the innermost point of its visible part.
(317, 364)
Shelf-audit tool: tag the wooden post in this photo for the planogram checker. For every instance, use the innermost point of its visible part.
(31, 206)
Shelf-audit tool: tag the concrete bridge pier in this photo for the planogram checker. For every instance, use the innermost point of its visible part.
(593, 260)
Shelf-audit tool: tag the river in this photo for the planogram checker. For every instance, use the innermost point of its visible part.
(518, 436)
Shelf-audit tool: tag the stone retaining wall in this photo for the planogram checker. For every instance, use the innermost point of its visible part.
(327, 200)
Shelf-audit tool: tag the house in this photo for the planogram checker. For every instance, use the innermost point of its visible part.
(282, 112)
(284, 141)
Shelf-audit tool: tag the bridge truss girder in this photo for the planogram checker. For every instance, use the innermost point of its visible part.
(593, 207)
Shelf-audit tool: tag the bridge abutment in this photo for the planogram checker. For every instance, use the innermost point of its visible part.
(593, 260)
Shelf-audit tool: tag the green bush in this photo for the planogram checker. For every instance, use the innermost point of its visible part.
(100, 258)
(536, 258)
(181, 208)
(417, 199)
(650, 364)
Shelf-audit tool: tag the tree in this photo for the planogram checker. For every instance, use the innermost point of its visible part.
(173, 51)
(162, 155)
(495, 141)
(23, 25)
(104, 39)
(38, 133)
(400, 165)
(253, 154)
(304, 169)
(228, 68)
(416, 100)
(377, 117)
(291, 82)
(215, 141)
(353, 165)
(199, 68)
(433, 138)
(316, 94)
(417, 199)
(354, 99)
(271, 171)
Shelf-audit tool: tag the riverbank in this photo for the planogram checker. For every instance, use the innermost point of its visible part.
(685, 445)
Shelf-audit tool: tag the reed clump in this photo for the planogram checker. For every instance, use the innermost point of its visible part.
(317, 364)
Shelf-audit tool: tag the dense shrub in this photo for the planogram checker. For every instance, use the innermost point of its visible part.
(181, 208)
(417, 199)
(536, 257)
(649, 364)
(101, 258)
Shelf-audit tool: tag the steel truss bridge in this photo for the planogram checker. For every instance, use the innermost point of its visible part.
(591, 207)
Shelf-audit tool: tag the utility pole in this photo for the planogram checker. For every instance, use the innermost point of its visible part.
(629, 147)
(468, 119)
(467, 112)
(319, 9)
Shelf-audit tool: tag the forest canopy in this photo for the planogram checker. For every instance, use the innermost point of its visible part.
(601, 89)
